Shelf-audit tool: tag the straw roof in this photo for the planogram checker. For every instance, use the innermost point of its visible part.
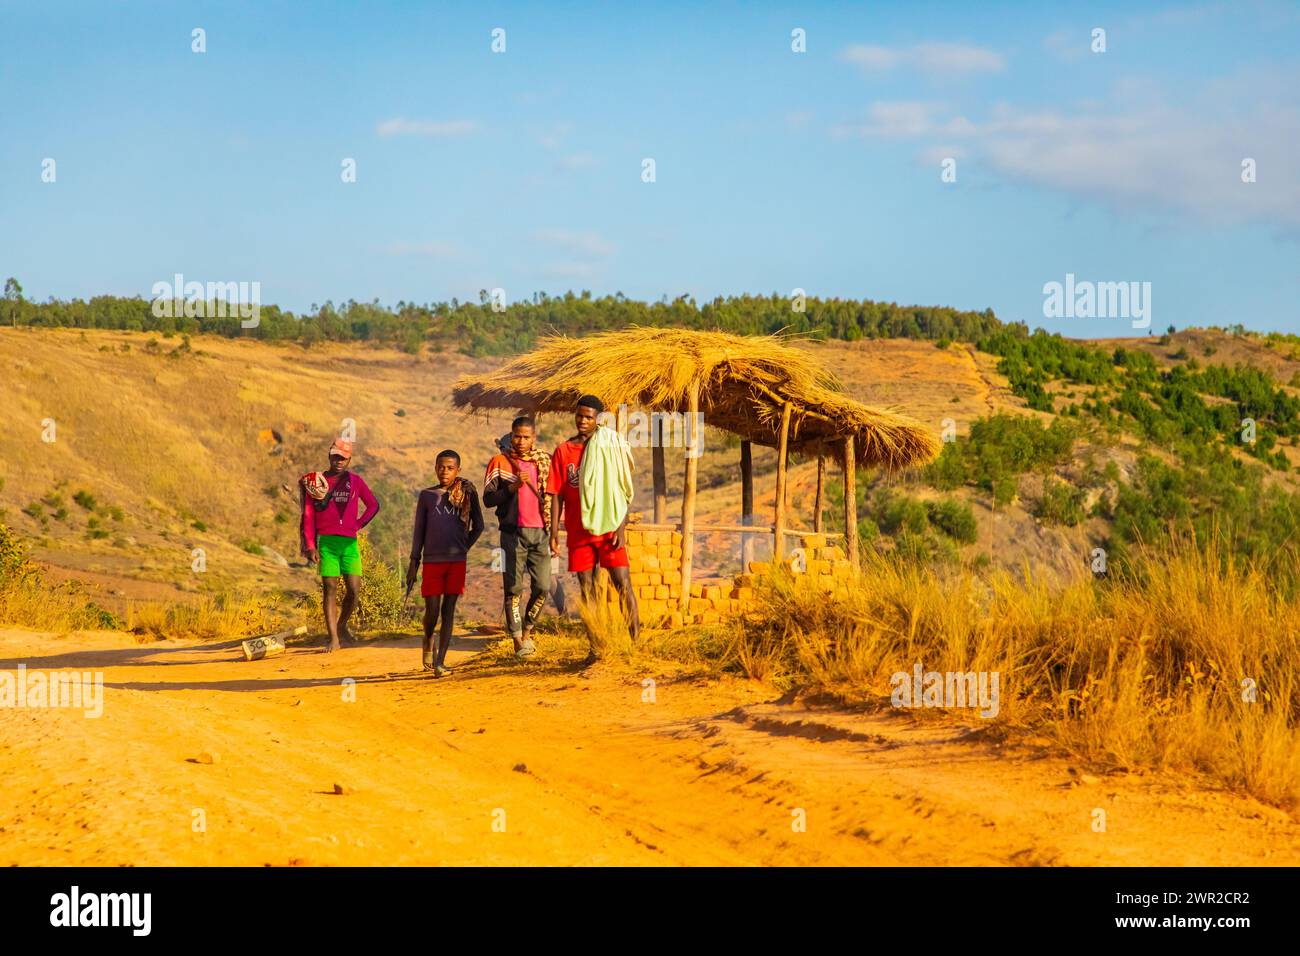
(744, 380)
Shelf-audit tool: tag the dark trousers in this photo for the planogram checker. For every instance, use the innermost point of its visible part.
(527, 561)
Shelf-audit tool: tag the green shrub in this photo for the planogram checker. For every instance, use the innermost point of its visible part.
(379, 605)
(1002, 446)
(85, 499)
(954, 519)
(16, 570)
(1062, 503)
(1005, 489)
(27, 601)
(925, 548)
(898, 513)
(868, 530)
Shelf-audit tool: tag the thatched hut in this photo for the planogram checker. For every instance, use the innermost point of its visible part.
(757, 387)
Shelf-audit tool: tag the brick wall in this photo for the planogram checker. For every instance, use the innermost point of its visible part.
(655, 564)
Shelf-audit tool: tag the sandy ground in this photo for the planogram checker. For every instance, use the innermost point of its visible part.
(506, 763)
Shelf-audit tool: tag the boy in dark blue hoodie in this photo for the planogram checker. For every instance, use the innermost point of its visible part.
(448, 520)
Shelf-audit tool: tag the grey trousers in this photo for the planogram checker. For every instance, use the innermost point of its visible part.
(527, 561)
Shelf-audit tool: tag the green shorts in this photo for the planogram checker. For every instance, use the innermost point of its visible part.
(338, 553)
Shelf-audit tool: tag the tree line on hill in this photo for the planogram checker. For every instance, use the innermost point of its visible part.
(479, 329)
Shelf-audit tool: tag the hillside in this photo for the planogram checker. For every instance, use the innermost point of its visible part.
(177, 445)
(163, 445)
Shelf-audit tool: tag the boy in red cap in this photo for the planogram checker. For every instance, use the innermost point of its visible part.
(330, 524)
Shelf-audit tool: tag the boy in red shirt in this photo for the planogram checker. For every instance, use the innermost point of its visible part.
(514, 488)
(587, 550)
(331, 521)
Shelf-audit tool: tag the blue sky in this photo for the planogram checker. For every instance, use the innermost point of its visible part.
(775, 170)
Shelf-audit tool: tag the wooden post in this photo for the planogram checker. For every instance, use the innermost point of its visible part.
(818, 526)
(851, 503)
(661, 482)
(746, 503)
(620, 420)
(782, 448)
(688, 497)
(788, 483)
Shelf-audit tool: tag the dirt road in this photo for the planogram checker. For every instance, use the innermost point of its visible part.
(538, 764)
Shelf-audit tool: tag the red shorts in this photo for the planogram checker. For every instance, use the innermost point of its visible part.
(585, 556)
(442, 577)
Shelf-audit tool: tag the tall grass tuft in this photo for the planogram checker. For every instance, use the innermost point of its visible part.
(606, 627)
(1188, 661)
(209, 618)
(26, 600)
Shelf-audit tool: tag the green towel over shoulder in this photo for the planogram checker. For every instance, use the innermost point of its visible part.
(605, 481)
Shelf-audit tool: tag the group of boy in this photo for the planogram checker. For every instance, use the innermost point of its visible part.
(533, 494)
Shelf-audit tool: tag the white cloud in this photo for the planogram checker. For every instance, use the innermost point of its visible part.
(903, 119)
(568, 270)
(1070, 46)
(576, 161)
(798, 120)
(934, 59)
(585, 252)
(1173, 160)
(934, 155)
(586, 244)
(436, 249)
(872, 57)
(553, 137)
(401, 126)
(1137, 153)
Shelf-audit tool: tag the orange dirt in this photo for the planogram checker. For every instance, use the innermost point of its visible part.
(579, 767)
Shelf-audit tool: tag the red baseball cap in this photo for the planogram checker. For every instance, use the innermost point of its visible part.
(341, 447)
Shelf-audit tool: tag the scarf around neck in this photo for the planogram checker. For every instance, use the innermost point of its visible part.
(543, 463)
(459, 495)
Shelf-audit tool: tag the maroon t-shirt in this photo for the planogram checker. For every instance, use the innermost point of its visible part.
(440, 533)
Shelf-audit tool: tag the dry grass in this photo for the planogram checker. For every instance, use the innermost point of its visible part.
(209, 618)
(60, 608)
(743, 381)
(605, 625)
(1142, 672)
